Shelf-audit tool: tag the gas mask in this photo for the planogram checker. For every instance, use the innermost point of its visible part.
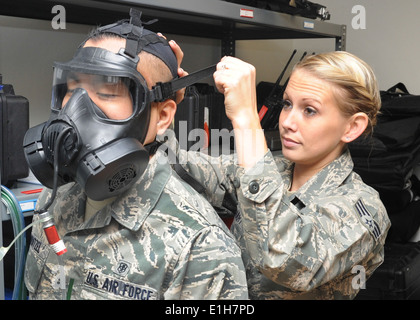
(83, 141)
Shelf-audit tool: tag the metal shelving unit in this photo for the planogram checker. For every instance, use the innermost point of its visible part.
(201, 18)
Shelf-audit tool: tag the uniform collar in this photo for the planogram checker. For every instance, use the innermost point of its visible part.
(69, 208)
(129, 209)
(325, 181)
(134, 206)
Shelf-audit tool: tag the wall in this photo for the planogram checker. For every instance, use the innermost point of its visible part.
(28, 49)
(390, 43)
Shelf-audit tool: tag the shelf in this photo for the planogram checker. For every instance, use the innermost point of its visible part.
(201, 18)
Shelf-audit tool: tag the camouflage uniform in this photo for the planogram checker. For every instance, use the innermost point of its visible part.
(309, 244)
(160, 240)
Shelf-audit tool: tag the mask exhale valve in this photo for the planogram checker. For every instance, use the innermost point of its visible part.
(52, 235)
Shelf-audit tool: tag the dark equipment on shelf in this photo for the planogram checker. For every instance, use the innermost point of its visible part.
(14, 121)
(302, 8)
(270, 110)
(203, 109)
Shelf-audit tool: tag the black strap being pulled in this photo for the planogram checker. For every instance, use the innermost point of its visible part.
(162, 91)
(187, 177)
(184, 174)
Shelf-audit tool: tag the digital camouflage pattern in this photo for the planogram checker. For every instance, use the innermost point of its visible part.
(301, 245)
(160, 240)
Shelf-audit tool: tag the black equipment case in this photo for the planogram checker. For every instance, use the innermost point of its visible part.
(14, 122)
(202, 108)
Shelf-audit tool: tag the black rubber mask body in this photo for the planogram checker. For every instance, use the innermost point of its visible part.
(105, 156)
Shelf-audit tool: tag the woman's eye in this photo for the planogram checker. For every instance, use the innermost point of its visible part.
(310, 111)
(286, 104)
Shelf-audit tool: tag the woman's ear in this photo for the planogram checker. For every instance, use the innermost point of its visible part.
(357, 125)
(166, 114)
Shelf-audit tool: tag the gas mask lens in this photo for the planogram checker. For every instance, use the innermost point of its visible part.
(113, 97)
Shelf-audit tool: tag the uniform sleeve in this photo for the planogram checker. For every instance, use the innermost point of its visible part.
(209, 268)
(217, 174)
(304, 246)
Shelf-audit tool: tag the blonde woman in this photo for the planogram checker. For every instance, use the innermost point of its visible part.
(308, 226)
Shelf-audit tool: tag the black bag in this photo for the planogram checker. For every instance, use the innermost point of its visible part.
(302, 8)
(386, 161)
(405, 223)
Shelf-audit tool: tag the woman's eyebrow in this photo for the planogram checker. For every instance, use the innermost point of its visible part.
(311, 100)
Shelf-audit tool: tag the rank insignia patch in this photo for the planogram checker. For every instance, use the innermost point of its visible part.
(367, 219)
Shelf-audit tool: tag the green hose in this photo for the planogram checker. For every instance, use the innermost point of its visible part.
(16, 216)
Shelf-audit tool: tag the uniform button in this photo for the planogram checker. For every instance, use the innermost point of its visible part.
(254, 187)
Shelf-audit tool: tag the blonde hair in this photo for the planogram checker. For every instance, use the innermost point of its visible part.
(356, 83)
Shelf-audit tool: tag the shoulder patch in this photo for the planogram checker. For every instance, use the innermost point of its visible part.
(367, 219)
